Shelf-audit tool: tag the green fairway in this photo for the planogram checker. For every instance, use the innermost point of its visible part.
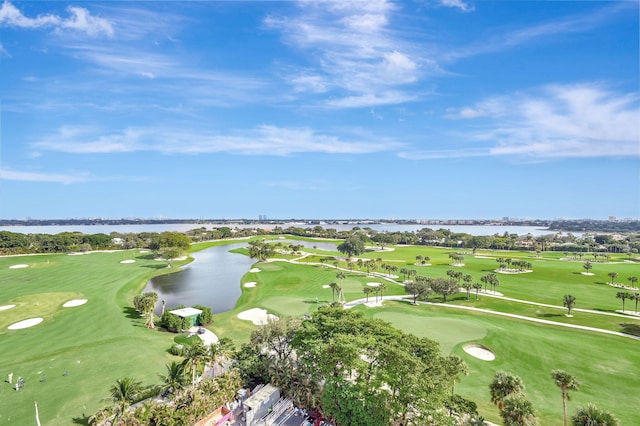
(70, 360)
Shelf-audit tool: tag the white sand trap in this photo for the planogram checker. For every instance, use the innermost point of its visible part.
(250, 284)
(254, 270)
(25, 324)
(326, 286)
(74, 302)
(587, 273)
(144, 251)
(22, 265)
(5, 307)
(128, 261)
(257, 316)
(373, 284)
(479, 352)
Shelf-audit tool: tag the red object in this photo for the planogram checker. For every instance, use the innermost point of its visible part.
(315, 418)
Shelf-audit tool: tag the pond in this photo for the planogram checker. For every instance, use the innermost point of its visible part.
(213, 278)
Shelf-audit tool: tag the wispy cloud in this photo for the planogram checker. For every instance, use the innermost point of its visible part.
(557, 121)
(79, 19)
(263, 140)
(354, 50)
(457, 4)
(6, 174)
(543, 31)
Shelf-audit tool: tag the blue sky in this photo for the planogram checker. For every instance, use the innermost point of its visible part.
(334, 109)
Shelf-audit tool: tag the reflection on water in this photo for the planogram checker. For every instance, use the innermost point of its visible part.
(213, 278)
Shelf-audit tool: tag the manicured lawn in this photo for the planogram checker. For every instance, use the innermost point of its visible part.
(80, 351)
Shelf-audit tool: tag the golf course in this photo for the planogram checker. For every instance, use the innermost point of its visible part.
(87, 334)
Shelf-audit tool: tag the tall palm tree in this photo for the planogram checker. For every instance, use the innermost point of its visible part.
(477, 287)
(518, 411)
(633, 280)
(566, 382)
(367, 291)
(196, 355)
(333, 290)
(587, 266)
(503, 385)
(175, 378)
(636, 298)
(623, 295)
(468, 282)
(124, 393)
(613, 276)
(593, 416)
(341, 276)
(568, 301)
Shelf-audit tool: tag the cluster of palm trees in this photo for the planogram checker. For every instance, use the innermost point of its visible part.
(376, 291)
(490, 280)
(507, 393)
(181, 383)
(422, 260)
(505, 265)
(457, 259)
(145, 303)
(624, 295)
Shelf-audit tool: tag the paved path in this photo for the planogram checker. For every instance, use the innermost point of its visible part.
(488, 311)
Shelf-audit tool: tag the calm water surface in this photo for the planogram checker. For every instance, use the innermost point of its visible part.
(212, 279)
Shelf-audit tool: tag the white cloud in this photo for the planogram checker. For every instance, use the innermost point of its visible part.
(458, 4)
(557, 121)
(6, 174)
(357, 54)
(80, 20)
(263, 140)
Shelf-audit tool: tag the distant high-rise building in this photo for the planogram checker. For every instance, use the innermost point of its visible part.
(612, 218)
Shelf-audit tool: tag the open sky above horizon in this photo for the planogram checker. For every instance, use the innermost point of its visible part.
(320, 109)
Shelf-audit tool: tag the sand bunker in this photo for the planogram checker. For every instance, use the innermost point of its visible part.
(22, 265)
(257, 316)
(587, 273)
(74, 302)
(479, 352)
(5, 307)
(254, 270)
(250, 284)
(326, 286)
(128, 261)
(25, 324)
(373, 284)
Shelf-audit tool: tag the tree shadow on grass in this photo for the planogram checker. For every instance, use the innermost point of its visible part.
(131, 313)
(548, 315)
(314, 302)
(81, 420)
(630, 328)
(161, 266)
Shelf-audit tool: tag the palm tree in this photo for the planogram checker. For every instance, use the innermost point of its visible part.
(587, 266)
(477, 287)
(518, 411)
(593, 416)
(124, 393)
(613, 276)
(633, 280)
(196, 356)
(341, 276)
(333, 290)
(367, 291)
(468, 279)
(623, 295)
(175, 379)
(636, 298)
(568, 301)
(503, 385)
(565, 382)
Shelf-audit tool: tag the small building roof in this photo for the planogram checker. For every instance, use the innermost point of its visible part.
(186, 312)
(261, 396)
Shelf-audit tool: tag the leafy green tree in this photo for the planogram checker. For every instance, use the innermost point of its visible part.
(352, 246)
(593, 416)
(566, 382)
(569, 302)
(260, 250)
(505, 384)
(518, 411)
(174, 239)
(206, 317)
(445, 286)
(170, 254)
(418, 288)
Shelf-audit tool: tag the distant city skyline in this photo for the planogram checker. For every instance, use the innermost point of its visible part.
(282, 109)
